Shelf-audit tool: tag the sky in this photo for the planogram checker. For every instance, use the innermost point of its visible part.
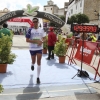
(20, 4)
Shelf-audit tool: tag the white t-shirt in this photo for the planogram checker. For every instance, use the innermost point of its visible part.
(35, 34)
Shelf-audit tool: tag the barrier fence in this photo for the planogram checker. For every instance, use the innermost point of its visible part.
(90, 53)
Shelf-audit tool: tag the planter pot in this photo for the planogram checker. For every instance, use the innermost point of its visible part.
(62, 59)
(44, 51)
(3, 68)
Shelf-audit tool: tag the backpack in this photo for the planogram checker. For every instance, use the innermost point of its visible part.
(82, 74)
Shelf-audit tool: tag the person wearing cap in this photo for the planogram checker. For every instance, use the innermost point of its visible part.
(36, 36)
(51, 42)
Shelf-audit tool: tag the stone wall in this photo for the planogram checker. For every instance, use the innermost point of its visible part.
(4, 11)
(89, 7)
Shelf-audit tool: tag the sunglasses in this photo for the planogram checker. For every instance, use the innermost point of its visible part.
(35, 21)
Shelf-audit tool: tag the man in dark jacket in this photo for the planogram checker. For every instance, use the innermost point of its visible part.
(51, 42)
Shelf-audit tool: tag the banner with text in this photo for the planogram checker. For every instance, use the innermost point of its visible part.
(88, 51)
(21, 20)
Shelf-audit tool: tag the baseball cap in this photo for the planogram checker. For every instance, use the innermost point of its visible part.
(51, 28)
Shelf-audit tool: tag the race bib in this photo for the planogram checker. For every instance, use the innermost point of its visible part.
(34, 45)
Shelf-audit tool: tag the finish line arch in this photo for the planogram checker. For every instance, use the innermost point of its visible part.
(33, 11)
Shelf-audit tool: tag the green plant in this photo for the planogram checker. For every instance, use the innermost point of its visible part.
(45, 44)
(1, 88)
(70, 35)
(60, 47)
(62, 17)
(6, 56)
(78, 18)
(59, 37)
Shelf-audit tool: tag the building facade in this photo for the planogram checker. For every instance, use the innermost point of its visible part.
(86, 7)
(66, 7)
(4, 11)
(53, 8)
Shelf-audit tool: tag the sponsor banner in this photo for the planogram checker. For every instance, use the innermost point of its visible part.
(88, 51)
(21, 20)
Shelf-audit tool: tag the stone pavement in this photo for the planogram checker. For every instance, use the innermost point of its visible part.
(70, 92)
(19, 42)
(74, 92)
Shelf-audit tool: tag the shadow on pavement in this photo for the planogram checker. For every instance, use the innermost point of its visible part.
(4, 75)
(87, 96)
(31, 93)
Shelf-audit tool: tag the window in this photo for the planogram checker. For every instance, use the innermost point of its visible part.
(71, 11)
(76, 1)
(48, 3)
(76, 7)
(81, 4)
(45, 9)
(51, 8)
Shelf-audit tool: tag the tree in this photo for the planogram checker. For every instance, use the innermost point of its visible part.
(78, 18)
(73, 19)
(52, 24)
(82, 18)
(62, 17)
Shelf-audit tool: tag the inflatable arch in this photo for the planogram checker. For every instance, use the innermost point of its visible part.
(33, 11)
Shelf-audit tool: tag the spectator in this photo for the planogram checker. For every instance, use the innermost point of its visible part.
(5, 30)
(51, 42)
(93, 37)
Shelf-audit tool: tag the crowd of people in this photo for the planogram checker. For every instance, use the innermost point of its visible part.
(20, 32)
(87, 36)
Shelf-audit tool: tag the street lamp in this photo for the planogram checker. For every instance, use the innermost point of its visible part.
(96, 13)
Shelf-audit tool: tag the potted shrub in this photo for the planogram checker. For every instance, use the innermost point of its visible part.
(60, 49)
(45, 45)
(1, 88)
(6, 56)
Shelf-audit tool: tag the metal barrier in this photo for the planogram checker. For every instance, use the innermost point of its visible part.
(74, 49)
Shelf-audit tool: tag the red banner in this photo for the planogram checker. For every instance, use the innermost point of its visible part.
(88, 51)
(21, 20)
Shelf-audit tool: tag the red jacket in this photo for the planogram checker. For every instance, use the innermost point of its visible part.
(51, 39)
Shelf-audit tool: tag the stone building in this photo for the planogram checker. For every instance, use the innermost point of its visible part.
(4, 11)
(53, 8)
(66, 7)
(92, 10)
(89, 7)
